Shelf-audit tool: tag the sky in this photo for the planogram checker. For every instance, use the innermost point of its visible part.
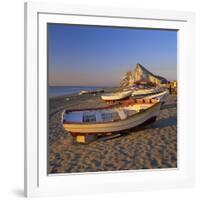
(82, 55)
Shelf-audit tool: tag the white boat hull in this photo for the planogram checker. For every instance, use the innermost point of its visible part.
(144, 92)
(159, 96)
(128, 123)
(116, 96)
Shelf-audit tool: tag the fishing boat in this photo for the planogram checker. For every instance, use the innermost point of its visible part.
(86, 123)
(160, 96)
(91, 92)
(83, 92)
(116, 96)
(148, 91)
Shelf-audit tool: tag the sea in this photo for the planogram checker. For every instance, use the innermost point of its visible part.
(57, 91)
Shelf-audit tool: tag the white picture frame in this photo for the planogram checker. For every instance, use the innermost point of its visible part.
(37, 182)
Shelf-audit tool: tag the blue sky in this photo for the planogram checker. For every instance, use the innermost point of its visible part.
(99, 56)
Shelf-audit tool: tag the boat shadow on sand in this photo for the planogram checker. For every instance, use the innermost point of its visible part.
(160, 123)
(168, 106)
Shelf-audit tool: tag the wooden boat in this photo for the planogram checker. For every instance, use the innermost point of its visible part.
(116, 96)
(83, 92)
(160, 96)
(91, 92)
(82, 123)
(149, 91)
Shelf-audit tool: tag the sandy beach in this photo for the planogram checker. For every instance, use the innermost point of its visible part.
(152, 146)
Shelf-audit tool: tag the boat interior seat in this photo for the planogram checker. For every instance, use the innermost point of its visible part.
(147, 100)
(139, 101)
(73, 117)
(121, 113)
(130, 112)
(99, 117)
(110, 116)
(87, 117)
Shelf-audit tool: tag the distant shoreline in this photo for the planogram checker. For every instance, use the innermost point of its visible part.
(68, 91)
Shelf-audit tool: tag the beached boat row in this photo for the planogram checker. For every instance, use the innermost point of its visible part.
(139, 93)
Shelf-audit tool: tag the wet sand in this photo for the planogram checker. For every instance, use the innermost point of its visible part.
(150, 147)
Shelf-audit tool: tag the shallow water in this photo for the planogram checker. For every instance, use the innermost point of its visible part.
(56, 91)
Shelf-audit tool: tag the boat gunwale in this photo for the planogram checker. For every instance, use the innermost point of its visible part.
(148, 94)
(116, 96)
(106, 122)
